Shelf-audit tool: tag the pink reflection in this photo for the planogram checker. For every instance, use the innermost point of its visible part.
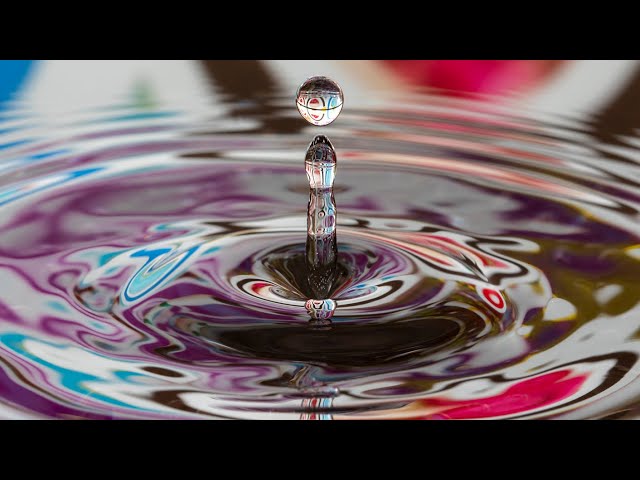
(464, 77)
(547, 390)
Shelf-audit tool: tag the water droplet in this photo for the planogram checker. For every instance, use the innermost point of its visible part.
(319, 100)
(320, 163)
(320, 309)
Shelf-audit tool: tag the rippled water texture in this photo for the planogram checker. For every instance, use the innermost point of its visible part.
(150, 263)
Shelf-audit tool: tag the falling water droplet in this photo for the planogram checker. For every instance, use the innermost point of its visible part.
(320, 309)
(319, 100)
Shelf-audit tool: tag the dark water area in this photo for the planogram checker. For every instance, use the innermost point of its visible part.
(152, 257)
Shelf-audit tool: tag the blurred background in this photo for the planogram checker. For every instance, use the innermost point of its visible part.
(603, 91)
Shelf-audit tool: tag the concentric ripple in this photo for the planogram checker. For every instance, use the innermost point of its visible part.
(151, 264)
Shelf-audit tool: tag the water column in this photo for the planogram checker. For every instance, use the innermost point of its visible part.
(321, 248)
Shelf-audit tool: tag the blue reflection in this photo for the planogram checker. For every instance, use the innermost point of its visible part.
(13, 74)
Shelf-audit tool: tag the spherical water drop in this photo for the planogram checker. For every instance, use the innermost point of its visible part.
(320, 309)
(319, 100)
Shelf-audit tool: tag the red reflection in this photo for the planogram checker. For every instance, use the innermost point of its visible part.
(527, 395)
(534, 393)
(464, 77)
(547, 390)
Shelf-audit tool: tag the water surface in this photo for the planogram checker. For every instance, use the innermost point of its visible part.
(149, 259)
